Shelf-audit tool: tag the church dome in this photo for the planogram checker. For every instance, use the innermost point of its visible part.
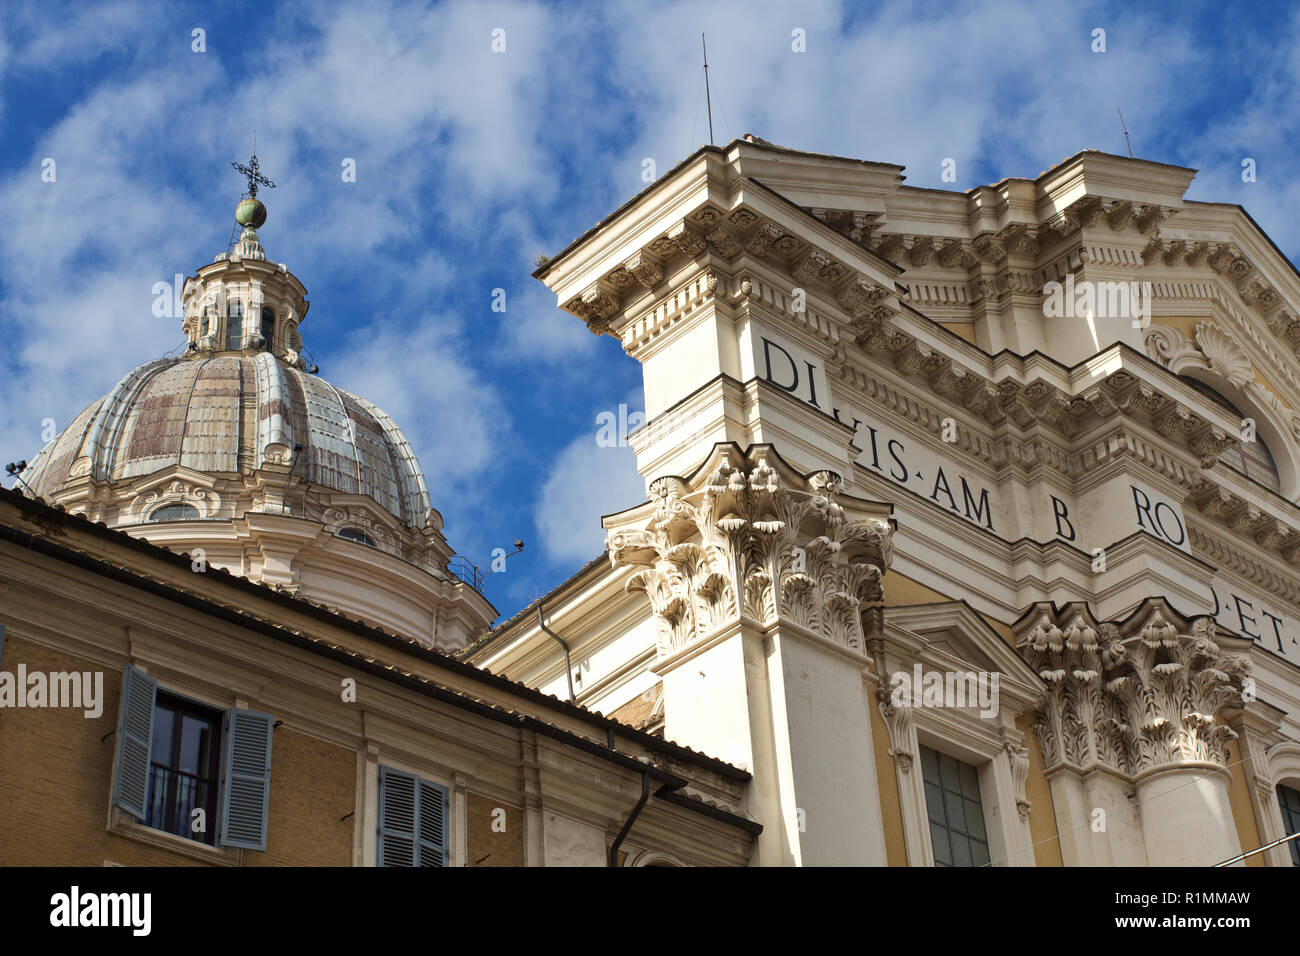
(238, 453)
(231, 414)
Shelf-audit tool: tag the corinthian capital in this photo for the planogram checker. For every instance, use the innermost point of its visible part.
(1147, 693)
(747, 537)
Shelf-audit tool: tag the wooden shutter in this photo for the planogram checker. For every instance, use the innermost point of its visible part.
(412, 820)
(246, 779)
(134, 742)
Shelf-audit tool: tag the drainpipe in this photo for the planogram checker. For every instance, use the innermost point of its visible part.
(631, 818)
(568, 667)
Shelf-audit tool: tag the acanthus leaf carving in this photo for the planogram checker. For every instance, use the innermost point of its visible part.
(1152, 698)
(754, 540)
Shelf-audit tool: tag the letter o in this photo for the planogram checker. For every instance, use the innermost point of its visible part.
(1182, 533)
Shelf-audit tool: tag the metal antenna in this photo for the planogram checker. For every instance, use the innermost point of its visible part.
(1125, 128)
(707, 98)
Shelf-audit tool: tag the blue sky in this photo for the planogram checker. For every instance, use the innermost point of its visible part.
(471, 162)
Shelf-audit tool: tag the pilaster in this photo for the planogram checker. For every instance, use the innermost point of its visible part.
(765, 584)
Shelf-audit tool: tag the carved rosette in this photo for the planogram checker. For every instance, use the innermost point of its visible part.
(750, 538)
(1149, 695)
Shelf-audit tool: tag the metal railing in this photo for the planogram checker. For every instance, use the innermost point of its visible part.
(468, 572)
(174, 796)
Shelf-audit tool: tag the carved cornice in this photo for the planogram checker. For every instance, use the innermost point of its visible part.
(1037, 402)
(713, 237)
(997, 251)
(748, 537)
(1249, 521)
(1146, 694)
(868, 314)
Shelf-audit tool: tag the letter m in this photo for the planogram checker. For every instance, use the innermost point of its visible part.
(116, 906)
(982, 510)
(1113, 300)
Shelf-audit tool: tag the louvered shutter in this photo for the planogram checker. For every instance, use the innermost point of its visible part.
(134, 742)
(412, 820)
(246, 779)
(432, 824)
(396, 818)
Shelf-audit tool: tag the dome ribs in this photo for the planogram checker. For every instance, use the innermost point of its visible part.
(230, 415)
(275, 424)
(412, 490)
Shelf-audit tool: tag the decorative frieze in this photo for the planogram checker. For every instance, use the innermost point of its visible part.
(749, 538)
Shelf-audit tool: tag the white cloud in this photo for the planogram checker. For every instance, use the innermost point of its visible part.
(899, 85)
(49, 39)
(421, 376)
(584, 482)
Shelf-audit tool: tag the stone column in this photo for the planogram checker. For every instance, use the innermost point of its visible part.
(765, 584)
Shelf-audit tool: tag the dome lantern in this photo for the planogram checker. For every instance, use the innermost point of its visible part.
(251, 211)
(241, 302)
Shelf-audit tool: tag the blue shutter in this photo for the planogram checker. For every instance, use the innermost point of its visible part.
(134, 742)
(396, 818)
(412, 820)
(432, 824)
(245, 779)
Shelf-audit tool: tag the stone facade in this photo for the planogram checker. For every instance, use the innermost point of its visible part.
(1066, 405)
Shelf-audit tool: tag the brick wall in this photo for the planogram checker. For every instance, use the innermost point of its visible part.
(56, 784)
(489, 846)
(313, 785)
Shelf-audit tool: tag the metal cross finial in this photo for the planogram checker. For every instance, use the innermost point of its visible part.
(252, 171)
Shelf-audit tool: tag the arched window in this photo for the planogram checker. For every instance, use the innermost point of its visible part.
(268, 328)
(1288, 800)
(175, 513)
(235, 325)
(203, 324)
(1252, 458)
(352, 534)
